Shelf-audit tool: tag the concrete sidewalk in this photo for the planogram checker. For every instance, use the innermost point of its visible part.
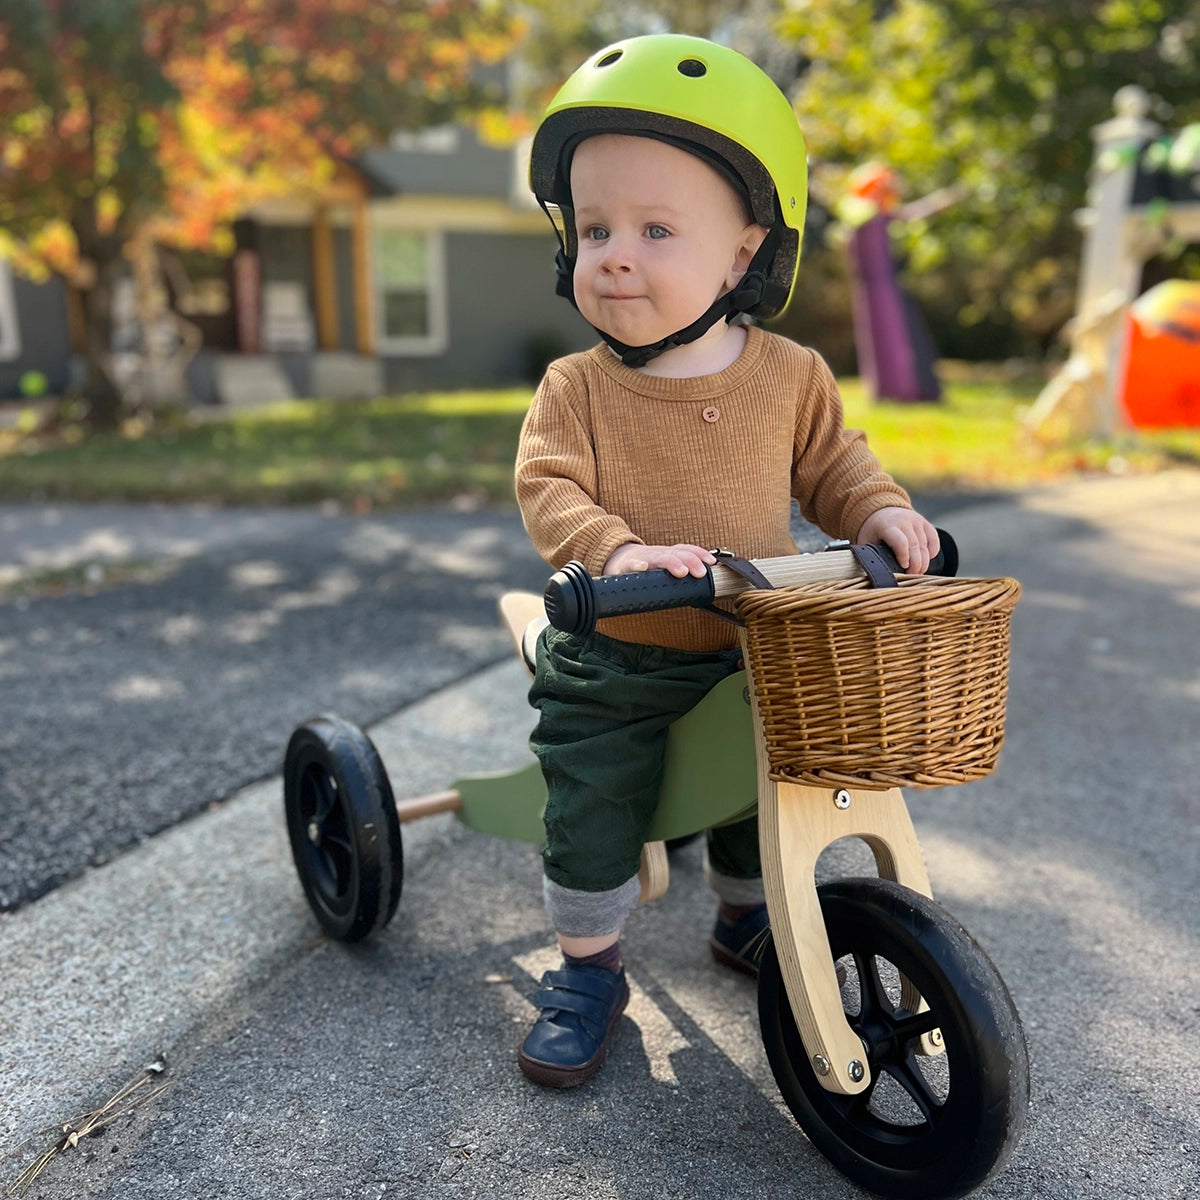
(117, 967)
(303, 1068)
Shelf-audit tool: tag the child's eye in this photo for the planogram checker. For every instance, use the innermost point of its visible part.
(595, 233)
(657, 232)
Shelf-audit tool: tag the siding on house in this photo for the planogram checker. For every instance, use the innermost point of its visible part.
(344, 274)
(286, 254)
(462, 166)
(500, 300)
(42, 337)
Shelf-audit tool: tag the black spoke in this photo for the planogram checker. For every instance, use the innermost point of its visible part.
(339, 857)
(325, 794)
(908, 1075)
(341, 843)
(907, 1028)
(324, 875)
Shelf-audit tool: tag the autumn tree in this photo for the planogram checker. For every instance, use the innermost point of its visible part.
(124, 122)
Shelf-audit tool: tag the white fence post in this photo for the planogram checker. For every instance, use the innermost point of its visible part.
(1113, 251)
(1110, 275)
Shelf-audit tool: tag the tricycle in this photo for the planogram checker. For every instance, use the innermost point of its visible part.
(891, 1035)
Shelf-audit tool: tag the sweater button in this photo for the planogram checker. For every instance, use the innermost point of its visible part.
(711, 414)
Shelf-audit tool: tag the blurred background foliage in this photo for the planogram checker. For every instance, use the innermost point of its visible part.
(998, 99)
(143, 121)
(137, 123)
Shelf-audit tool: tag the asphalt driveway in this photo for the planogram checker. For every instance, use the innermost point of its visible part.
(157, 659)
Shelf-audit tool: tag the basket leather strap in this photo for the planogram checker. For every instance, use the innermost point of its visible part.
(744, 567)
(747, 570)
(875, 565)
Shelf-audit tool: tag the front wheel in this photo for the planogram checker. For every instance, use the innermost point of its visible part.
(343, 828)
(930, 1127)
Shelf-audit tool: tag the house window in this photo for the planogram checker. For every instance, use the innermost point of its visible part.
(410, 279)
(437, 139)
(10, 337)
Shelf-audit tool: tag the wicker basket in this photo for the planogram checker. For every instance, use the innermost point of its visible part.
(881, 687)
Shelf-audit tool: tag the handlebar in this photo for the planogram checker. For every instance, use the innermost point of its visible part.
(575, 600)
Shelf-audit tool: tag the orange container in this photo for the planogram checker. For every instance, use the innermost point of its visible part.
(1162, 361)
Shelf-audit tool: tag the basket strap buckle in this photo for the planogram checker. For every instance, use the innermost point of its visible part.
(878, 570)
(743, 567)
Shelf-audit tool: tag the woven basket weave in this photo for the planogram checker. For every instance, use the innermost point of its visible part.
(881, 687)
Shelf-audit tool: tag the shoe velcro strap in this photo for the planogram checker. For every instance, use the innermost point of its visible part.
(594, 1013)
(580, 981)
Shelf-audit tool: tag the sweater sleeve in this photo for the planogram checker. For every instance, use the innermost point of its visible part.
(835, 477)
(556, 479)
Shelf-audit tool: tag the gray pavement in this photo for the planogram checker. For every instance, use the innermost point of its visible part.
(304, 1068)
(156, 659)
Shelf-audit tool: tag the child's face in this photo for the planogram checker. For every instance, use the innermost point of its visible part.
(661, 236)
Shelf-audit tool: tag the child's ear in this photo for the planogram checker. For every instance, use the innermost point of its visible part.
(753, 237)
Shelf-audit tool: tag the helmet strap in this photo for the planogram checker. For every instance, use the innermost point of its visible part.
(755, 287)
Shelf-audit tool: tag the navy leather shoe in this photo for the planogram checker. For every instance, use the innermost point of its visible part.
(569, 1041)
(739, 944)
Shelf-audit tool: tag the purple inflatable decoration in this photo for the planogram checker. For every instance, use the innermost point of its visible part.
(896, 354)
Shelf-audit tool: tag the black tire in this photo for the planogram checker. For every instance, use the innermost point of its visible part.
(931, 1127)
(342, 825)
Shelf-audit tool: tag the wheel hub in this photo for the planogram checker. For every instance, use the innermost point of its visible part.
(878, 1037)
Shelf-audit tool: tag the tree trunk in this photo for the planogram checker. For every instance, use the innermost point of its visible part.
(100, 389)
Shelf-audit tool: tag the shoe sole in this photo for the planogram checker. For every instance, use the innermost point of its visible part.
(551, 1075)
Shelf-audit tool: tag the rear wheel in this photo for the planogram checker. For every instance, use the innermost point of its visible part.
(343, 829)
(931, 1127)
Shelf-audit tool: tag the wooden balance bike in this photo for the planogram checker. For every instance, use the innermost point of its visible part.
(912, 1075)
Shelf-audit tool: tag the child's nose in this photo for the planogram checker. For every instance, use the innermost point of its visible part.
(617, 255)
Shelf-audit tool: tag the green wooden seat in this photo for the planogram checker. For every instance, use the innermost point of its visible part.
(709, 777)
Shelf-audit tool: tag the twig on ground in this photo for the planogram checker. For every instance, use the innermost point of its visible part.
(70, 1132)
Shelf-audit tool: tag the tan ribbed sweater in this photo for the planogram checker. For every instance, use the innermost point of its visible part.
(609, 455)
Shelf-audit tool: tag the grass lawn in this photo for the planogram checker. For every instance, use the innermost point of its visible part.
(413, 449)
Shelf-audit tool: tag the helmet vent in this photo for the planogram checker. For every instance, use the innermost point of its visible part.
(693, 68)
(609, 59)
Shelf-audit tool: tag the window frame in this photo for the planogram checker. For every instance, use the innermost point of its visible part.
(10, 328)
(437, 340)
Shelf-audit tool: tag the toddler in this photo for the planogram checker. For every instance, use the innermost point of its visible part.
(675, 173)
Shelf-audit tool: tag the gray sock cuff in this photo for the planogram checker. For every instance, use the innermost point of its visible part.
(733, 890)
(589, 914)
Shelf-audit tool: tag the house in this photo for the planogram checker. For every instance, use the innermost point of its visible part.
(426, 264)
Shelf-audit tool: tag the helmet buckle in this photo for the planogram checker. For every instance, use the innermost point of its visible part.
(749, 292)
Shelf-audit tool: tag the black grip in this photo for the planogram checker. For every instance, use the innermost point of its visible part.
(575, 601)
(944, 562)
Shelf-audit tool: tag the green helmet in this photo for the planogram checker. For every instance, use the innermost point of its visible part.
(710, 100)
